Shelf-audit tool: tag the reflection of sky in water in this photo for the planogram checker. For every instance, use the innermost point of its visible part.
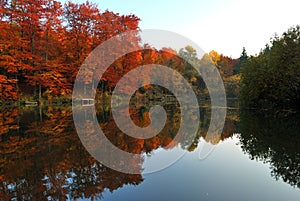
(227, 174)
(161, 158)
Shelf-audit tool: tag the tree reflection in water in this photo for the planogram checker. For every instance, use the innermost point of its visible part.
(273, 137)
(45, 159)
(42, 157)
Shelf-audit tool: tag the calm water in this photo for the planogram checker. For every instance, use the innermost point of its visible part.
(257, 157)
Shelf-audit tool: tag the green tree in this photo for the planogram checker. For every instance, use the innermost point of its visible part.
(242, 59)
(272, 78)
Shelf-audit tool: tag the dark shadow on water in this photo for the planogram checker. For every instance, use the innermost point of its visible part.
(273, 137)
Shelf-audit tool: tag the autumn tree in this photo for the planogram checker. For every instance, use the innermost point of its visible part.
(43, 44)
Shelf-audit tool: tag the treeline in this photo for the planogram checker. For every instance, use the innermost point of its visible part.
(271, 79)
(43, 44)
(229, 69)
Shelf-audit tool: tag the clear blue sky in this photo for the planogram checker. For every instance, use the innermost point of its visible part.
(225, 26)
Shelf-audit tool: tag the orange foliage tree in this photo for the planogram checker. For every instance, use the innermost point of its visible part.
(43, 44)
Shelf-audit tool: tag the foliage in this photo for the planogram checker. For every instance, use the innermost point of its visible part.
(226, 65)
(272, 78)
(43, 44)
(232, 86)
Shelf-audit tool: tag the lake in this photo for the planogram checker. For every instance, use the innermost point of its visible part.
(257, 157)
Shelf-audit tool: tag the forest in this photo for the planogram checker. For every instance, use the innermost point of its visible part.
(271, 79)
(44, 43)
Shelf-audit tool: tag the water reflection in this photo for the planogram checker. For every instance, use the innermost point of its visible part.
(273, 137)
(43, 160)
(42, 157)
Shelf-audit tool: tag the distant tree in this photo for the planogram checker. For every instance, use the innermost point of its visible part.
(227, 65)
(242, 59)
(189, 55)
(244, 55)
(215, 56)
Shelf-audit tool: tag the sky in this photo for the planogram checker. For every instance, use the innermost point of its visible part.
(223, 26)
